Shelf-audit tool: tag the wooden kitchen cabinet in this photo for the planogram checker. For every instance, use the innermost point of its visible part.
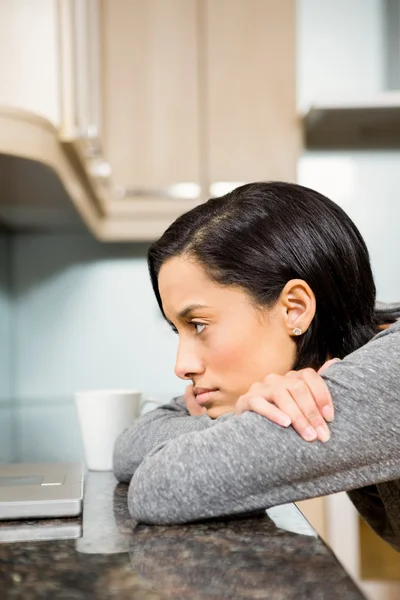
(151, 93)
(249, 87)
(209, 98)
(29, 57)
(162, 103)
(151, 115)
(40, 186)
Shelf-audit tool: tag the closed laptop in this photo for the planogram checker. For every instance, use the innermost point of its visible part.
(41, 490)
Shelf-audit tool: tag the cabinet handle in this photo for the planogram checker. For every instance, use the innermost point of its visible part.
(220, 188)
(177, 191)
(101, 171)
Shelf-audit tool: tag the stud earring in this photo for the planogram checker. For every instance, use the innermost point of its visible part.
(297, 331)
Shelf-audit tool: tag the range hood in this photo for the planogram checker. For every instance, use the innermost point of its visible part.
(49, 183)
(33, 198)
(358, 124)
(39, 187)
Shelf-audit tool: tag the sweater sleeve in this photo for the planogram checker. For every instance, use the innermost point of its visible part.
(247, 463)
(163, 424)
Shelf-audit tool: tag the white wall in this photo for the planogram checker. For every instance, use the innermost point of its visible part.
(85, 317)
(340, 50)
(340, 57)
(366, 186)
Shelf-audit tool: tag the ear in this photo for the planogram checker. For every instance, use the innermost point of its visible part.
(298, 305)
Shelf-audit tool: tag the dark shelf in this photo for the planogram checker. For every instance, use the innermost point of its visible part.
(369, 125)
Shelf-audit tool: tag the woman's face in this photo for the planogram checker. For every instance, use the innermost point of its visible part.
(225, 343)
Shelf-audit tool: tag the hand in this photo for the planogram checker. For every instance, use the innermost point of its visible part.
(299, 398)
(194, 409)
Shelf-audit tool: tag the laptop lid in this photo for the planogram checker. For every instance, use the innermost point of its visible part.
(41, 490)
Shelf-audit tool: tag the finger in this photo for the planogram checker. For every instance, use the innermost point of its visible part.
(275, 389)
(327, 364)
(189, 396)
(241, 405)
(261, 406)
(194, 409)
(256, 387)
(189, 390)
(282, 398)
(320, 392)
(297, 402)
(304, 393)
(314, 401)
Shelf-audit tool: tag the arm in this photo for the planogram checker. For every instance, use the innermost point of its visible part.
(157, 426)
(247, 463)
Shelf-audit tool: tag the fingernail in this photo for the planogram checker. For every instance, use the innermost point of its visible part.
(309, 434)
(286, 421)
(328, 414)
(323, 434)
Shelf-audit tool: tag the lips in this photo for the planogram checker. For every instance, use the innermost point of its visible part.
(204, 395)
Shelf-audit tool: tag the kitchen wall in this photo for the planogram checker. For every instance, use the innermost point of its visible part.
(85, 317)
(341, 56)
(366, 186)
(6, 424)
(5, 319)
(341, 53)
(340, 50)
(83, 313)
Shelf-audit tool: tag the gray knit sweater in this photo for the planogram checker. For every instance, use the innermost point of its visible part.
(184, 468)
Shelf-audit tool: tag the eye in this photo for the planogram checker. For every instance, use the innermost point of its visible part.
(197, 326)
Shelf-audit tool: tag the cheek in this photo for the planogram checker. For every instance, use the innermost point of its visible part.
(225, 352)
(276, 349)
(245, 357)
(276, 357)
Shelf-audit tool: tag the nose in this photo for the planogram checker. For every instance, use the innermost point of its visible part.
(188, 362)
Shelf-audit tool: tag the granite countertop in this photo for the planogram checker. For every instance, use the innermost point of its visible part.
(275, 555)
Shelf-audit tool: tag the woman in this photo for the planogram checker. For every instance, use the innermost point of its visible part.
(263, 285)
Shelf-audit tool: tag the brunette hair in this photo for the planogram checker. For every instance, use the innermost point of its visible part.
(260, 236)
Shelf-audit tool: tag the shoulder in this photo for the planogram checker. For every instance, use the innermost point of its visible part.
(370, 373)
(383, 350)
(393, 329)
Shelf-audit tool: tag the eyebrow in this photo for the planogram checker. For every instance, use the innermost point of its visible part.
(191, 308)
(185, 312)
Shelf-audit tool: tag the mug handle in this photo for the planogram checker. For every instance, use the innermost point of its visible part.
(149, 400)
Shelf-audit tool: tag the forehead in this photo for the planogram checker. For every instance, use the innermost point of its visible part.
(183, 282)
(180, 277)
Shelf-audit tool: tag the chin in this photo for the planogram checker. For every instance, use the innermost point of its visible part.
(216, 411)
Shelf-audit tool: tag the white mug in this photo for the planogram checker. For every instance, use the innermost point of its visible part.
(102, 415)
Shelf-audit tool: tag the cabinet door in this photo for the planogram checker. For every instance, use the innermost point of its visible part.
(252, 130)
(150, 105)
(29, 78)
